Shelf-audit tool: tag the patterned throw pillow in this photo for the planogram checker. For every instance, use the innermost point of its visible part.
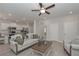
(35, 36)
(19, 40)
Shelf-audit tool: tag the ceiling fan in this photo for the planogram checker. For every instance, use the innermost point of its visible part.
(43, 10)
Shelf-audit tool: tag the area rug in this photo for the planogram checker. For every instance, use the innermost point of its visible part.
(4, 48)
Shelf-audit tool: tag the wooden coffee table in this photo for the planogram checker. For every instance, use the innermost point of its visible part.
(42, 48)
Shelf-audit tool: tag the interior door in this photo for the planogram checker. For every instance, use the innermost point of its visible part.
(70, 29)
(52, 31)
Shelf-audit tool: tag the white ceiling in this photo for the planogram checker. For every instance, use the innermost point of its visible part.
(20, 12)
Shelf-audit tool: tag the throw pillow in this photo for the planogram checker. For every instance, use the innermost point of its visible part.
(19, 40)
(35, 36)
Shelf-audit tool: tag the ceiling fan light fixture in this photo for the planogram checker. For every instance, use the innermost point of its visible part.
(42, 11)
(70, 12)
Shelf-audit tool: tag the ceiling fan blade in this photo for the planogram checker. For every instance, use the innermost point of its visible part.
(35, 10)
(40, 5)
(47, 12)
(50, 6)
(39, 14)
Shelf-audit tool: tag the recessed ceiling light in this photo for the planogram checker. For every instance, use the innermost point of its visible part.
(16, 20)
(0, 16)
(24, 18)
(4, 18)
(9, 14)
(70, 12)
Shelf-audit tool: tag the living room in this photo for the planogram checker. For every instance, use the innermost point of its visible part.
(26, 32)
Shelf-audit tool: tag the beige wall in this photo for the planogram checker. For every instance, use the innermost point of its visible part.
(58, 27)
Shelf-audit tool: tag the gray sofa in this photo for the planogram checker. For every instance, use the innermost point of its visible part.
(16, 48)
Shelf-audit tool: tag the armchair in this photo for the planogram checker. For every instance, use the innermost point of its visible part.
(67, 46)
(75, 47)
(72, 47)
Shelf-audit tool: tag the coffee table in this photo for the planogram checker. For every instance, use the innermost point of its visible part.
(43, 48)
